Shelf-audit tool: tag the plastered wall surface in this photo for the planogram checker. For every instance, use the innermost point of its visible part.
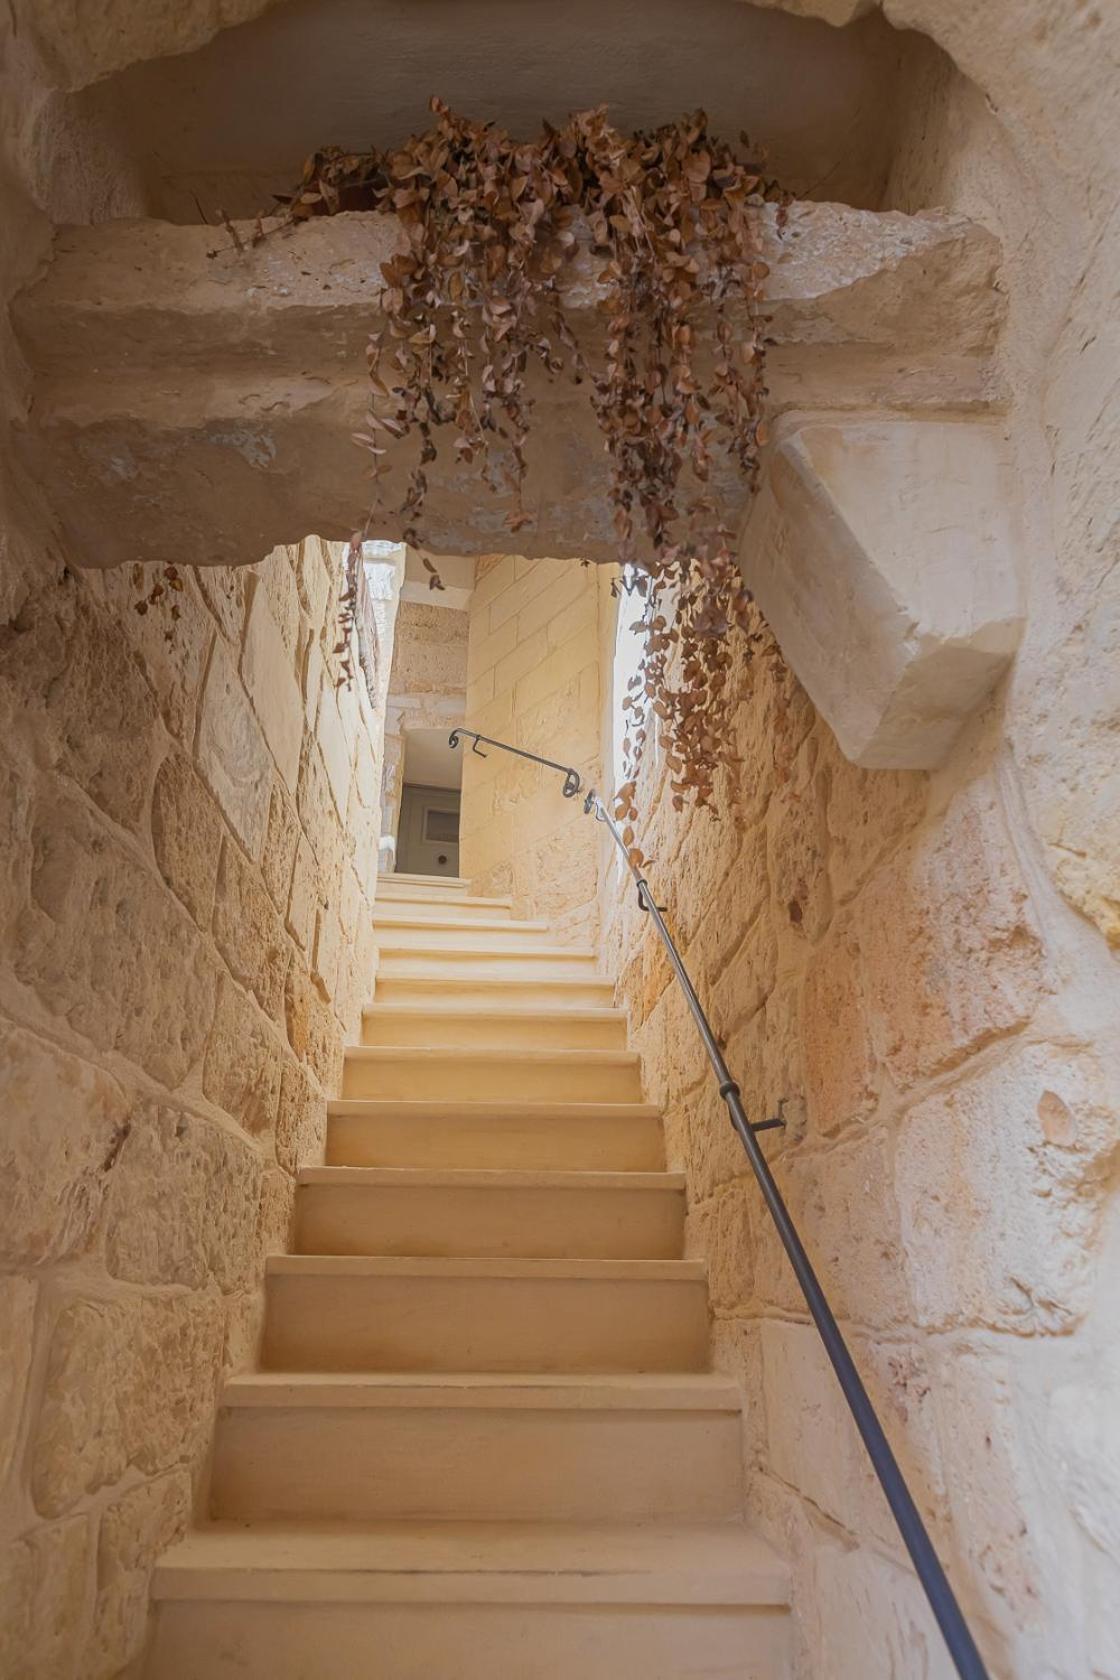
(533, 680)
(190, 815)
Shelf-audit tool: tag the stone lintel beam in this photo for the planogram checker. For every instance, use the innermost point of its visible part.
(195, 398)
(884, 555)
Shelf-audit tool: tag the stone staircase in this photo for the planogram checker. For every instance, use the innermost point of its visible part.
(484, 1444)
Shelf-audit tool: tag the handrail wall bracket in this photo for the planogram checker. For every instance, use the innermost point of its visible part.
(572, 782)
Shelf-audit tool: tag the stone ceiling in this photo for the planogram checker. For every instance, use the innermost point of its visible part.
(231, 121)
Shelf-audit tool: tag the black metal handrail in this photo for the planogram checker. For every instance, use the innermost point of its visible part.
(935, 1583)
(572, 782)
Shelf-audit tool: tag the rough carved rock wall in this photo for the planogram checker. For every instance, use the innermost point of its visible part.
(876, 949)
(926, 968)
(191, 814)
(941, 1013)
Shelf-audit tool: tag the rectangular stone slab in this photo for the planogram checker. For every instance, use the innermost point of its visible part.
(196, 399)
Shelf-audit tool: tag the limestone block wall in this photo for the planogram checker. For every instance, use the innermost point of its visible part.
(533, 679)
(430, 656)
(880, 950)
(427, 687)
(190, 811)
(926, 969)
(941, 1014)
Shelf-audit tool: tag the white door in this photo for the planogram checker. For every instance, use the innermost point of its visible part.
(428, 842)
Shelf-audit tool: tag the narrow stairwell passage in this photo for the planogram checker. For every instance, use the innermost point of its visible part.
(485, 1443)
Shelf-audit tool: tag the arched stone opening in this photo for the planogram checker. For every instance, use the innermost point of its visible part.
(884, 948)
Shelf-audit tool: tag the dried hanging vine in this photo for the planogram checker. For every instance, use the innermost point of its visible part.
(673, 218)
(348, 610)
(157, 594)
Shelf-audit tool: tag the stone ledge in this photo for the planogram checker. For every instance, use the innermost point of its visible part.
(884, 556)
(190, 397)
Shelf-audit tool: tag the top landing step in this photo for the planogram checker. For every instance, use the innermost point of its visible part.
(422, 886)
(402, 878)
(437, 894)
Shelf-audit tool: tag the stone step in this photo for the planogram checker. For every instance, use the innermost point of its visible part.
(401, 932)
(486, 962)
(464, 908)
(478, 1027)
(403, 885)
(471, 1601)
(493, 991)
(415, 1073)
(548, 1136)
(481, 1448)
(528, 1215)
(328, 1313)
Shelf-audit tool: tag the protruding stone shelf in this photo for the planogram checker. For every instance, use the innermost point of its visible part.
(196, 400)
(885, 556)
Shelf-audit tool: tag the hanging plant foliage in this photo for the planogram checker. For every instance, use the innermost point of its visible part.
(673, 221)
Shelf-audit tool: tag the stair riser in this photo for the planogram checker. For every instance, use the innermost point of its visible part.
(330, 1322)
(623, 1143)
(474, 1465)
(517, 1029)
(513, 938)
(482, 965)
(401, 884)
(562, 1224)
(292, 1641)
(387, 911)
(527, 994)
(418, 1078)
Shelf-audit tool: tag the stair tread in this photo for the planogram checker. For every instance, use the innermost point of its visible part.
(478, 924)
(498, 983)
(625, 1391)
(436, 954)
(440, 898)
(462, 1108)
(490, 1052)
(489, 1178)
(458, 1266)
(483, 1012)
(702, 1563)
(402, 877)
(446, 904)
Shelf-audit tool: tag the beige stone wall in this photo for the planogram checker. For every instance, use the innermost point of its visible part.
(952, 1153)
(188, 821)
(430, 656)
(533, 679)
(876, 949)
(190, 817)
(427, 687)
(925, 968)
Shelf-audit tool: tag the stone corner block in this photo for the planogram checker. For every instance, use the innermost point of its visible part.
(883, 554)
